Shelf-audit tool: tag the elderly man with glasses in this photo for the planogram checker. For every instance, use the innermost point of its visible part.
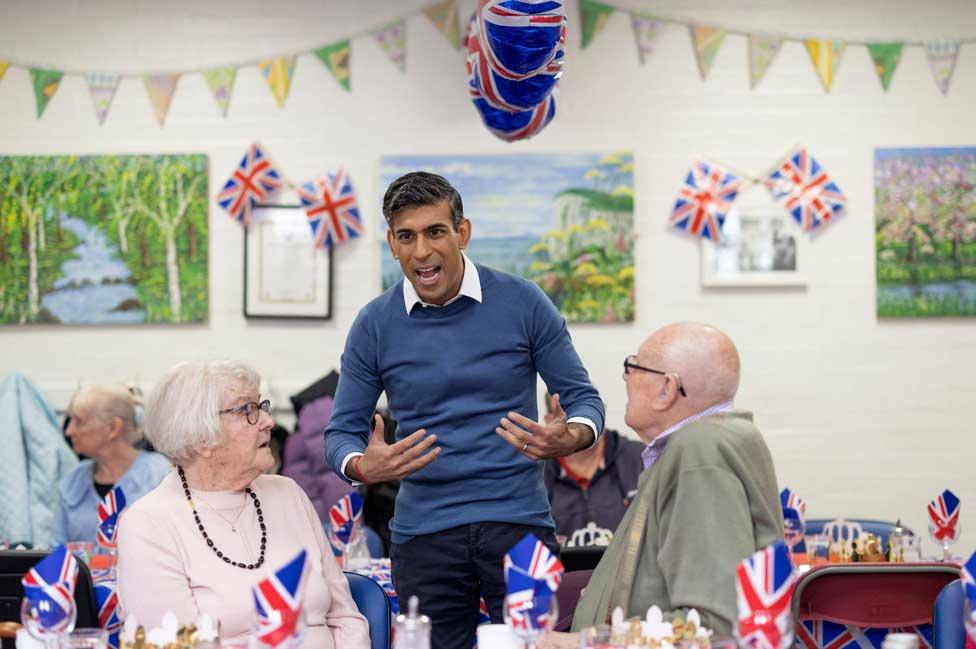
(707, 497)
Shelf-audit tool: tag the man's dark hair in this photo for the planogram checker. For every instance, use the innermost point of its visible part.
(420, 188)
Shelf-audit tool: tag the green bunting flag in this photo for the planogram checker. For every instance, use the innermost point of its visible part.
(45, 85)
(221, 84)
(593, 18)
(885, 57)
(336, 58)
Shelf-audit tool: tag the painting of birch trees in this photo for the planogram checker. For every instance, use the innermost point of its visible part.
(103, 239)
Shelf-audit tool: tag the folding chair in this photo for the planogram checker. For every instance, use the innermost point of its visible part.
(947, 626)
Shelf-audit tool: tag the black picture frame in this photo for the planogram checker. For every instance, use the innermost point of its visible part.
(276, 241)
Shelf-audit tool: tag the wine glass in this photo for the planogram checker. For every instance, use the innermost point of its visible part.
(530, 617)
(352, 547)
(949, 537)
(793, 528)
(46, 620)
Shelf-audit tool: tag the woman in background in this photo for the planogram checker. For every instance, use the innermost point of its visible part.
(104, 425)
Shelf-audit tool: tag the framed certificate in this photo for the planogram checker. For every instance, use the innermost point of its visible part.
(285, 275)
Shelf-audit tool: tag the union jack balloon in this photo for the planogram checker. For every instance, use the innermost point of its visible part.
(49, 587)
(944, 514)
(345, 514)
(704, 200)
(803, 187)
(333, 214)
(764, 586)
(252, 181)
(108, 518)
(278, 603)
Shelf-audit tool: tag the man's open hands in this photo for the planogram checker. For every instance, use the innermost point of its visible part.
(555, 438)
(382, 462)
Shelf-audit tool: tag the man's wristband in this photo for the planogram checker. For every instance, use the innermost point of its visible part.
(355, 465)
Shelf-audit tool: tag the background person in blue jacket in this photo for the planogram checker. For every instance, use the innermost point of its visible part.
(457, 348)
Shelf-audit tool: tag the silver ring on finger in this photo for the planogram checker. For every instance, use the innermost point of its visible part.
(525, 447)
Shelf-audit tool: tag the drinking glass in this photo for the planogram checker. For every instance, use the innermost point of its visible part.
(529, 618)
(947, 540)
(818, 549)
(84, 639)
(46, 622)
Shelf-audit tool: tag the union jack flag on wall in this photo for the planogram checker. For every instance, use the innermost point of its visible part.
(788, 498)
(252, 181)
(50, 587)
(705, 199)
(764, 586)
(803, 187)
(345, 514)
(944, 514)
(278, 602)
(107, 600)
(108, 518)
(532, 577)
(333, 214)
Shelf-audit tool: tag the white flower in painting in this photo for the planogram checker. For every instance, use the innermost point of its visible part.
(654, 626)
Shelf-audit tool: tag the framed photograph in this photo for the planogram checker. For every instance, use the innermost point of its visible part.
(285, 275)
(761, 246)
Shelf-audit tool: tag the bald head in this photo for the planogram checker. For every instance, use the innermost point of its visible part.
(704, 358)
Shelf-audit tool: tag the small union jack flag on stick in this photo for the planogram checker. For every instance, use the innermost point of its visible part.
(764, 586)
(252, 181)
(345, 514)
(705, 199)
(789, 499)
(108, 518)
(333, 214)
(278, 602)
(803, 187)
(50, 587)
(944, 514)
(532, 576)
(107, 600)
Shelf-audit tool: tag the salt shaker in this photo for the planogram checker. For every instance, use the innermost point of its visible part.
(412, 631)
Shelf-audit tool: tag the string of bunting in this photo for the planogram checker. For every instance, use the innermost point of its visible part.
(278, 71)
(329, 200)
(797, 182)
(825, 53)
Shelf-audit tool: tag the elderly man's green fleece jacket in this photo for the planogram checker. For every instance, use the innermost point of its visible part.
(708, 502)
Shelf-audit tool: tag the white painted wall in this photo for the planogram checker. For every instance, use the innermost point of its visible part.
(864, 418)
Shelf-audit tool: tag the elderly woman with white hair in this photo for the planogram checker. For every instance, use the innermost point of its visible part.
(218, 524)
(103, 426)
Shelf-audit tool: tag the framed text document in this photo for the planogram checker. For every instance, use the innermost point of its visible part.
(285, 276)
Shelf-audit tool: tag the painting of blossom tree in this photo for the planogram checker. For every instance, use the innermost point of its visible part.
(563, 221)
(925, 215)
(103, 239)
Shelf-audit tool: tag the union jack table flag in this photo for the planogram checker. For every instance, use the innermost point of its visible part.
(803, 187)
(819, 634)
(107, 600)
(345, 514)
(108, 518)
(49, 587)
(789, 499)
(532, 577)
(278, 602)
(705, 199)
(764, 586)
(968, 577)
(944, 514)
(250, 183)
(333, 214)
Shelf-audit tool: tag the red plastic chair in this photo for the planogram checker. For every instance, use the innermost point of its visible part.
(871, 595)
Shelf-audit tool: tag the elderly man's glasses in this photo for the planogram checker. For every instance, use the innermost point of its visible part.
(630, 363)
(251, 410)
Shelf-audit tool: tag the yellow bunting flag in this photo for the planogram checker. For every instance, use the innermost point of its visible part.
(3, 68)
(593, 18)
(444, 15)
(278, 72)
(221, 84)
(160, 88)
(706, 40)
(336, 58)
(45, 85)
(825, 55)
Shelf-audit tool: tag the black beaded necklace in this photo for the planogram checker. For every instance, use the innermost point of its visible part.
(210, 543)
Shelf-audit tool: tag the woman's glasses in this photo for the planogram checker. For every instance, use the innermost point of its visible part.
(251, 410)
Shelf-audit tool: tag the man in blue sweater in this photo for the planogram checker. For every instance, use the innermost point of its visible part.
(457, 348)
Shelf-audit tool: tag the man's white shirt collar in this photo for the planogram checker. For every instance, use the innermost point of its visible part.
(470, 286)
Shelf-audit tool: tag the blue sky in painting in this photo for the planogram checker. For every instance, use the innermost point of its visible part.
(504, 195)
(918, 152)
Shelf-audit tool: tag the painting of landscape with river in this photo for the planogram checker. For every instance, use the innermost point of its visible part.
(103, 239)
